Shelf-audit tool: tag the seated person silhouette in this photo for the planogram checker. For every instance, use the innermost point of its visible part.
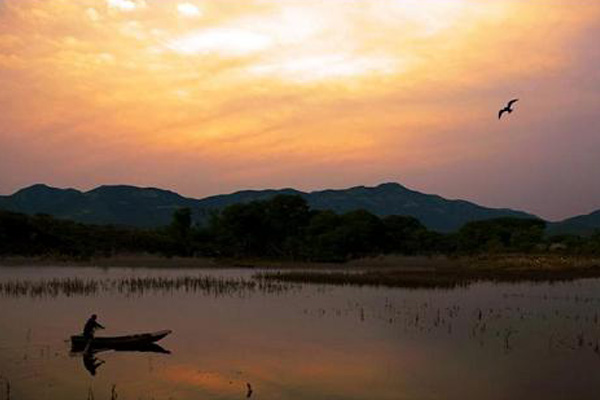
(88, 330)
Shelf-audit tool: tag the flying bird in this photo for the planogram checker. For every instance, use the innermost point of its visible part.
(249, 392)
(508, 108)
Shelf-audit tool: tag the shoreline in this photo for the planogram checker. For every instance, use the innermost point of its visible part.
(388, 271)
(155, 261)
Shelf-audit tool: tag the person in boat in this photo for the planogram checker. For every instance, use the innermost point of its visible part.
(90, 327)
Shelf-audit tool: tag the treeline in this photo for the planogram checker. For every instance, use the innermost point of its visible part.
(43, 235)
(283, 227)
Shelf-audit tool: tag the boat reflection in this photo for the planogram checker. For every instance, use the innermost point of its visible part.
(91, 362)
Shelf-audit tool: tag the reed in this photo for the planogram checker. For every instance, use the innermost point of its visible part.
(438, 278)
(139, 286)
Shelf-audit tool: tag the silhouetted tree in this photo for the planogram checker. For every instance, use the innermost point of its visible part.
(501, 234)
(404, 235)
(180, 229)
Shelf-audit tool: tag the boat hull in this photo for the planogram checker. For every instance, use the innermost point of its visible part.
(79, 343)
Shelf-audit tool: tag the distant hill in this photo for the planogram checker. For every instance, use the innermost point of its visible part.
(150, 207)
(580, 225)
(118, 205)
(433, 211)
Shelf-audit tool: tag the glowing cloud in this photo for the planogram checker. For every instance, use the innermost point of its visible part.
(126, 5)
(188, 10)
(290, 25)
(93, 14)
(326, 67)
(429, 17)
(224, 41)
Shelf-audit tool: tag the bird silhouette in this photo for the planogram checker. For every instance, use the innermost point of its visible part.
(508, 108)
(249, 392)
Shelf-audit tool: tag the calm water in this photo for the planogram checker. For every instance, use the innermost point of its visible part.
(307, 342)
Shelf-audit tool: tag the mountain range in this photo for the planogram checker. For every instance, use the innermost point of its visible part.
(152, 207)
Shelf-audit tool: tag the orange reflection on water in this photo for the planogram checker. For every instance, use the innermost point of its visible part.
(304, 369)
(208, 382)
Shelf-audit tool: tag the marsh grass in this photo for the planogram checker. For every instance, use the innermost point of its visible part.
(451, 273)
(139, 286)
(388, 271)
(417, 280)
(530, 262)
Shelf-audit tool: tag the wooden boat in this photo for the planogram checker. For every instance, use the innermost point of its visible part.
(79, 343)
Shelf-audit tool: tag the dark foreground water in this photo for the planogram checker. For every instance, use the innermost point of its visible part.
(308, 342)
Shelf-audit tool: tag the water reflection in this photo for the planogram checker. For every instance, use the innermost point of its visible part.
(91, 362)
(488, 342)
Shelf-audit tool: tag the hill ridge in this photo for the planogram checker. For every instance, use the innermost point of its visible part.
(122, 204)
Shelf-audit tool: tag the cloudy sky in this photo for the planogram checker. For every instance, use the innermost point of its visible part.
(211, 96)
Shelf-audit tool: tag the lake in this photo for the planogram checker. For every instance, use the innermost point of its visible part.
(485, 341)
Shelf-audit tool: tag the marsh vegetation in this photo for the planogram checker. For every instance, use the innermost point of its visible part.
(140, 286)
(457, 272)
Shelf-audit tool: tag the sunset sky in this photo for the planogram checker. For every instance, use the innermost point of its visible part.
(211, 96)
